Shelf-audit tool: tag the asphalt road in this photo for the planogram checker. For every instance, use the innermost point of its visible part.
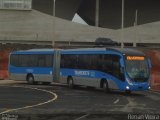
(45, 102)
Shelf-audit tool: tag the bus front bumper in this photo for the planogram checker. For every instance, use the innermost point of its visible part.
(137, 87)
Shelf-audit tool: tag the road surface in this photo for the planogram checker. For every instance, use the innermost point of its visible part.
(60, 102)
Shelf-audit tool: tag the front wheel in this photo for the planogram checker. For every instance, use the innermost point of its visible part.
(105, 87)
(70, 83)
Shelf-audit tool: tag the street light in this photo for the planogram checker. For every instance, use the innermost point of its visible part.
(135, 28)
(97, 14)
(122, 25)
(54, 9)
(54, 23)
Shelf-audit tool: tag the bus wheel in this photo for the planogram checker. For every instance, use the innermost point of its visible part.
(105, 86)
(30, 80)
(70, 83)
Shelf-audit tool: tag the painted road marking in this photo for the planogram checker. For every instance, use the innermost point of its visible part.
(116, 101)
(82, 117)
(31, 106)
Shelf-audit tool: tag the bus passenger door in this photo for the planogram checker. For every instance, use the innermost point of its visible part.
(56, 66)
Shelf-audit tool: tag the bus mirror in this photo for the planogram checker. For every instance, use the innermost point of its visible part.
(122, 62)
(149, 63)
(122, 70)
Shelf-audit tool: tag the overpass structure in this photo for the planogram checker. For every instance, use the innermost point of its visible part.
(109, 11)
(39, 26)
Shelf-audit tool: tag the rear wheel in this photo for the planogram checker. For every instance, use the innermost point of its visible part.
(105, 86)
(30, 79)
(70, 83)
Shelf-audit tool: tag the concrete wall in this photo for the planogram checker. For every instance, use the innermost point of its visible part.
(146, 33)
(65, 9)
(109, 11)
(34, 26)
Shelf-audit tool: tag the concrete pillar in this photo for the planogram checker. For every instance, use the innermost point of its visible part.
(122, 25)
(97, 13)
(54, 23)
(135, 27)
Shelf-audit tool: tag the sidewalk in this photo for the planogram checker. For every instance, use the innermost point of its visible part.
(6, 82)
(156, 88)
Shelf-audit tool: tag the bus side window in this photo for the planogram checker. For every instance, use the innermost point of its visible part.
(69, 61)
(62, 61)
(107, 64)
(72, 61)
(117, 68)
(92, 62)
(41, 60)
(99, 63)
(81, 62)
(14, 60)
(88, 62)
(23, 60)
(49, 60)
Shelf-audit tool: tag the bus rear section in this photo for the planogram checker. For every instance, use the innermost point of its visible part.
(32, 65)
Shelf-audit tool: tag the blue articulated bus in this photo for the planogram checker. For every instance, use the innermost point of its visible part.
(121, 69)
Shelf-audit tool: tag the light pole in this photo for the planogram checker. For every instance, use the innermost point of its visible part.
(54, 8)
(97, 14)
(122, 25)
(54, 22)
(135, 28)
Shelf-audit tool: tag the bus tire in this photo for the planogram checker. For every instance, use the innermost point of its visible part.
(105, 86)
(70, 82)
(30, 80)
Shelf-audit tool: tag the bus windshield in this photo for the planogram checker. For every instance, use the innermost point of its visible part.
(137, 68)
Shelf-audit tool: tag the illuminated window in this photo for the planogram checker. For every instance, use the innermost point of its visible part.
(16, 4)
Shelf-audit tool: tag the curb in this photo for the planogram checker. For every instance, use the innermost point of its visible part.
(156, 91)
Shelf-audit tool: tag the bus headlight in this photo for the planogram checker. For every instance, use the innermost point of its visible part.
(149, 87)
(127, 87)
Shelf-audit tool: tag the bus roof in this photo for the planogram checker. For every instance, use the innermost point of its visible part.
(124, 51)
(34, 51)
(128, 51)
